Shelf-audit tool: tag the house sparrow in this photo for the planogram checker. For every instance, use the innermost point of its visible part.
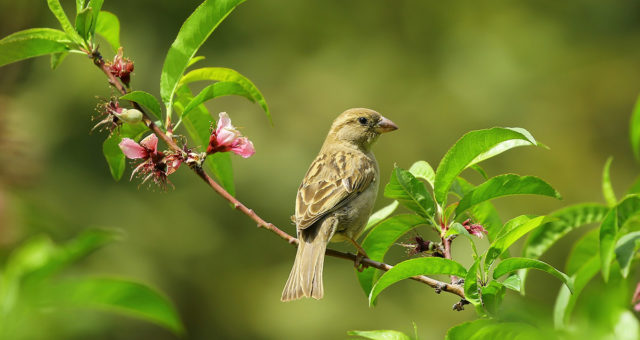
(336, 197)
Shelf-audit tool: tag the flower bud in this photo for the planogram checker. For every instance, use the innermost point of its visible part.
(130, 116)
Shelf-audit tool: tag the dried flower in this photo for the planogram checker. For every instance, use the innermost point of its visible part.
(121, 67)
(419, 245)
(113, 115)
(156, 164)
(227, 138)
(474, 229)
(108, 113)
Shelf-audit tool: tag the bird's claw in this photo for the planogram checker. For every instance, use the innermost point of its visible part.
(358, 264)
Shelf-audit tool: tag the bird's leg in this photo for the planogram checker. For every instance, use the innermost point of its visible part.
(361, 254)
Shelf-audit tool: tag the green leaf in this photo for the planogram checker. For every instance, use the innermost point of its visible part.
(221, 74)
(380, 335)
(96, 6)
(219, 89)
(487, 215)
(414, 267)
(626, 248)
(57, 58)
(458, 229)
(28, 257)
(56, 9)
(219, 164)
(79, 5)
(116, 295)
(422, 169)
(108, 26)
(198, 122)
(471, 292)
(505, 241)
(508, 330)
(195, 60)
(79, 247)
(513, 282)
(193, 33)
(114, 156)
(38, 258)
(627, 326)
(607, 189)
(483, 213)
(514, 223)
(608, 232)
(380, 239)
(145, 99)
(84, 23)
(112, 152)
(505, 185)
(566, 300)
(567, 219)
(635, 187)
(380, 215)
(634, 130)
(514, 263)
(627, 208)
(473, 148)
(582, 251)
(468, 329)
(410, 192)
(480, 170)
(31, 43)
(492, 296)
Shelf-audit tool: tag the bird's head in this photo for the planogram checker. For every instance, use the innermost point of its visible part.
(360, 127)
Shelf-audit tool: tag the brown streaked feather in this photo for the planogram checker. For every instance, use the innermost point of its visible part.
(331, 181)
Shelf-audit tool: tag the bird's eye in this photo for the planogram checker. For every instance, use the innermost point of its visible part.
(363, 120)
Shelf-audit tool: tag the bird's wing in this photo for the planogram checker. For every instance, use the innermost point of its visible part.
(332, 180)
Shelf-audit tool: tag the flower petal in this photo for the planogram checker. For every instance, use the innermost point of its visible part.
(132, 150)
(244, 147)
(225, 132)
(223, 121)
(150, 143)
(227, 136)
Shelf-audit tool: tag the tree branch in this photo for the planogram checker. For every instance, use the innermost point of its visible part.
(115, 82)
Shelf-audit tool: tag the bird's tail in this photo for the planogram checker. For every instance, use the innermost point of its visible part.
(305, 279)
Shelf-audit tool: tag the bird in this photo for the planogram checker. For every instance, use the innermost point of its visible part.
(336, 197)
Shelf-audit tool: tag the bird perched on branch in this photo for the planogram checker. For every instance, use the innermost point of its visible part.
(336, 197)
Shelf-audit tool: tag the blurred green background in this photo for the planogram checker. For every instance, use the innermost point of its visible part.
(568, 71)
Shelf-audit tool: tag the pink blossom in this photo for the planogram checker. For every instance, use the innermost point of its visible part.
(147, 147)
(474, 229)
(227, 138)
(155, 163)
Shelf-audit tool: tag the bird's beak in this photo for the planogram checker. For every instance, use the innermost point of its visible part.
(385, 125)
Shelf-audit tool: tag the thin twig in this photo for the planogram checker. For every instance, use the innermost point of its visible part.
(115, 82)
(446, 242)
